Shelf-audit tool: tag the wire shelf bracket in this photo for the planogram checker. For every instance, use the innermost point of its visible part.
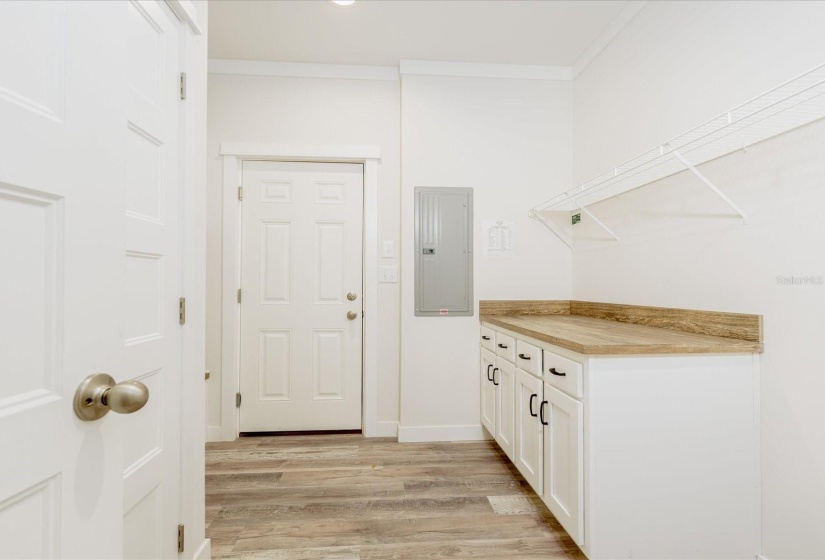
(735, 207)
(538, 217)
(598, 221)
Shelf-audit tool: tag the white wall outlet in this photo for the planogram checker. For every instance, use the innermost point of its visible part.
(388, 274)
(389, 250)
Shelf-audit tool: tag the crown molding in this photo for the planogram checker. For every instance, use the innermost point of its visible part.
(606, 37)
(302, 70)
(476, 70)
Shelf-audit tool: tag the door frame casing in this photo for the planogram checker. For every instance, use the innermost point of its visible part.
(233, 155)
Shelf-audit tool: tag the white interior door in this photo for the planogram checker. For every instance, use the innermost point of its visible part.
(301, 300)
(88, 272)
(152, 338)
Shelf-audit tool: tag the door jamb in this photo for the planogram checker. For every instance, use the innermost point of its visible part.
(233, 155)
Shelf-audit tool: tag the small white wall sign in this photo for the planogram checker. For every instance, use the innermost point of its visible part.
(499, 238)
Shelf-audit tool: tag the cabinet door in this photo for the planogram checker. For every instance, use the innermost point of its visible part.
(564, 460)
(488, 391)
(505, 376)
(529, 442)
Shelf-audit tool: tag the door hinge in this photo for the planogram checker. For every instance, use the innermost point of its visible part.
(183, 85)
(240, 193)
(182, 311)
(237, 399)
(181, 537)
(239, 295)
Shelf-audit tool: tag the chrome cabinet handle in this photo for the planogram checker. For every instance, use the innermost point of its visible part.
(98, 394)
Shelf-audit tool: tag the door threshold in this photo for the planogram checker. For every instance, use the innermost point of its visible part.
(300, 433)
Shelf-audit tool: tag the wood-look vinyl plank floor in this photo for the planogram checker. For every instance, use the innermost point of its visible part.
(345, 497)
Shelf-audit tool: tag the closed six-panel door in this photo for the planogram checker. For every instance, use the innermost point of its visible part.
(301, 294)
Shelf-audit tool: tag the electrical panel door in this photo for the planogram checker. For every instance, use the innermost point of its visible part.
(443, 251)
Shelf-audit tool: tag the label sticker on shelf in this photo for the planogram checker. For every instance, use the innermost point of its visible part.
(443, 311)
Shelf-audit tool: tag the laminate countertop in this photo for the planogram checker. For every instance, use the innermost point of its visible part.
(592, 335)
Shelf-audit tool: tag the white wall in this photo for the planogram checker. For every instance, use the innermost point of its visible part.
(307, 111)
(511, 141)
(674, 66)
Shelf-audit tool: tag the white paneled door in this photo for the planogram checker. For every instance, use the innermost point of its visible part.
(301, 298)
(151, 456)
(89, 277)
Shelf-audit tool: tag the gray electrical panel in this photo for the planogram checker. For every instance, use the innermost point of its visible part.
(443, 251)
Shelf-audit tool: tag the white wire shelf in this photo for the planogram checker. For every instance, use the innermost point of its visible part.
(793, 104)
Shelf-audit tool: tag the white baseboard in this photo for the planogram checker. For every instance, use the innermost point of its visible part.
(441, 433)
(213, 433)
(387, 429)
(204, 551)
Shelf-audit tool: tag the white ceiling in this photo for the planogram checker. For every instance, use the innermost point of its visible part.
(382, 32)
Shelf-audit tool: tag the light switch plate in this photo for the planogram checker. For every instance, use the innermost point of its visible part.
(388, 274)
(389, 250)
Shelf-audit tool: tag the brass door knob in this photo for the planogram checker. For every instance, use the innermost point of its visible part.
(352, 315)
(98, 394)
(351, 296)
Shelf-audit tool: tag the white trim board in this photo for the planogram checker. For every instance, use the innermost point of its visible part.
(606, 37)
(233, 155)
(302, 70)
(387, 429)
(299, 152)
(204, 551)
(186, 12)
(473, 432)
(476, 70)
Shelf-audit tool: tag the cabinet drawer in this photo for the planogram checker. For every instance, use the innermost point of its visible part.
(563, 373)
(506, 347)
(488, 338)
(528, 357)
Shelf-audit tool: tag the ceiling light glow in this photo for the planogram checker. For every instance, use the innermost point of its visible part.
(344, 2)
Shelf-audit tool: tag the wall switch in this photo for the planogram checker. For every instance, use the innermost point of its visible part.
(389, 250)
(388, 274)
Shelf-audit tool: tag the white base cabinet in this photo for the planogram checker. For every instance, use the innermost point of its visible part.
(488, 391)
(563, 419)
(505, 384)
(644, 457)
(529, 442)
